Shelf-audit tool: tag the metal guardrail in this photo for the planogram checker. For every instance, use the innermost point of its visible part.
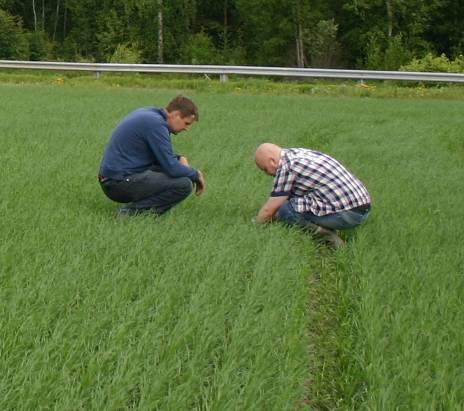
(224, 71)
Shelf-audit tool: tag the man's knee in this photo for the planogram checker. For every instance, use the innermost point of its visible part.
(286, 213)
(184, 186)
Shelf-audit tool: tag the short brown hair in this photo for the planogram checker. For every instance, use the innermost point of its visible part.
(184, 105)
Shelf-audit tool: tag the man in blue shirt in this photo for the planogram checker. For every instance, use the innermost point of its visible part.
(139, 165)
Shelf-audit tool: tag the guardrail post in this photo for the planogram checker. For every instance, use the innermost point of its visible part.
(97, 74)
(223, 78)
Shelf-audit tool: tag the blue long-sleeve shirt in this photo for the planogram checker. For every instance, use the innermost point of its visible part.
(139, 142)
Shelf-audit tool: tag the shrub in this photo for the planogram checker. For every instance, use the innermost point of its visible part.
(201, 50)
(321, 41)
(39, 45)
(126, 54)
(386, 54)
(13, 44)
(431, 63)
(396, 53)
(374, 53)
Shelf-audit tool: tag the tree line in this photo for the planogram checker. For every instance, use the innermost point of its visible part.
(372, 34)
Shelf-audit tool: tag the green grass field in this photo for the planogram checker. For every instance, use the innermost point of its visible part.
(202, 310)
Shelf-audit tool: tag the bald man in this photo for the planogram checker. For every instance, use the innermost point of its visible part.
(312, 190)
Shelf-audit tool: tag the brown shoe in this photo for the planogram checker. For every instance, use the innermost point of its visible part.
(329, 237)
(326, 235)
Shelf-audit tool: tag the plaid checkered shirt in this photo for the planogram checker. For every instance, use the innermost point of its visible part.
(317, 183)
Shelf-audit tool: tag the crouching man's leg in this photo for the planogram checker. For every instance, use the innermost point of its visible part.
(150, 191)
(175, 190)
(323, 227)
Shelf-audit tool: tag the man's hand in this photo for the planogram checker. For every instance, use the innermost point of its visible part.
(269, 210)
(200, 186)
(183, 160)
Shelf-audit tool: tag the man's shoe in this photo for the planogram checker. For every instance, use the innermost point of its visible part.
(326, 235)
(329, 237)
(129, 211)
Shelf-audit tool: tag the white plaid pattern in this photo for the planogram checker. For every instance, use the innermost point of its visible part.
(317, 183)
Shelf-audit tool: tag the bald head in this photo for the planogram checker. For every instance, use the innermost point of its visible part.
(267, 157)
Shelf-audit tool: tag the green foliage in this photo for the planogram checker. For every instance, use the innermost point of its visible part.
(201, 50)
(13, 44)
(201, 309)
(235, 56)
(380, 34)
(396, 53)
(385, 34)
(238, 84)
(321, 42)
(398, 286)
(126, 54)
(110, 33)
(40, 46)
(374, 54)
(431, 63)
(269, 41)
(386, 54)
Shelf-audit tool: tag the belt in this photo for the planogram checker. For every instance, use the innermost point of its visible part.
(362, 208)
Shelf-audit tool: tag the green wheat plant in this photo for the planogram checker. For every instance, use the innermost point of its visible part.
(201, 309)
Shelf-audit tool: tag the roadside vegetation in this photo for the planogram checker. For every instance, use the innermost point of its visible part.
(201, 309)
(240, 85)
(377, 35)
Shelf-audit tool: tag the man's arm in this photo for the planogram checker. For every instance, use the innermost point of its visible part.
(200, 184)
(161, 146)
(270, 208)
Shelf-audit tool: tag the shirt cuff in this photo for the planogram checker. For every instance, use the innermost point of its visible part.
(280, 194)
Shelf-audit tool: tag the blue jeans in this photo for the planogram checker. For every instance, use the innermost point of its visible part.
(339, 221)
(148, 190)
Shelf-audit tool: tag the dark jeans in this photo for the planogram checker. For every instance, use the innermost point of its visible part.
(149, 190)
(338, 221)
